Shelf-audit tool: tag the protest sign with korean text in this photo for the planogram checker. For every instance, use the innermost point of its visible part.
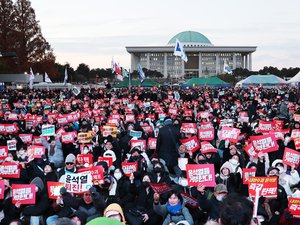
(129, 167)
(152, 143)
(36, 151)
(264, 143)
(48, 130)
(291, 157)
(267, 186)
(294, 206)
(68, 137)
(84, 137)
(295, 134)
(23, 193)
(191, 144)
(207, 147)
(78, 182)
(265, 126)
(250, 150)
(189, 201)
(160, 188)
(53, 188)
(11, 145)
(134, 133)
(26, 138)
(207, 134)
(201, 173)
(3, 152)
(248, 172)
(83, 159)
(108, 160)
(97, 173)
(9, 170)
(140, 143)
(188, 128)
(230, 134)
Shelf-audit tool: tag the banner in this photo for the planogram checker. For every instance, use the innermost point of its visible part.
(266, 185)
(207, 147)
(82, 159)
(48, 130)
(265, 126)
(9, 170)
(152, 143)
(68, 137)
(207, 134)
(36, 151)
(188, 128)
(191, 143)
(189, 201)
(3, 152)
(141, 143)
(8, 129)
(291, 157)
(54, 189)
(137, 134)
(248, 172)
(84, 137)
(294, 206)
(160, 188)
(264, 143)
(109, 130)
(11, 145)
(26, 138)
(201, 173)
(23, 193)
(78, 182)
(230, 134)
(129, 168)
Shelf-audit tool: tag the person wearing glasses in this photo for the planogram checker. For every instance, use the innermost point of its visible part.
(70, 165)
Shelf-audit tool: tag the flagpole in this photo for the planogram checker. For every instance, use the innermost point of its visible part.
(129, 80)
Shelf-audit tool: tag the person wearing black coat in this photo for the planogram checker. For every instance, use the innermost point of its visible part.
(167, 144)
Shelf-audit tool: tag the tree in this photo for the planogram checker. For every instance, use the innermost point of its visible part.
(83, 69)
(31, 47)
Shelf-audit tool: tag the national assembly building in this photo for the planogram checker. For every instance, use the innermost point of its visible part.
(204, 59)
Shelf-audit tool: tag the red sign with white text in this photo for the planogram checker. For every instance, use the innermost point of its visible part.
(248, 172)
(23, 193)
(129, 167)
(160, 188)
(191, 144)
(291, 157)
(201, 173)
(264, 143)
(9, 170)
(267, 186)
(230, 134)
(152, 143)
(206, 134)
(54, 189)
(207, 147)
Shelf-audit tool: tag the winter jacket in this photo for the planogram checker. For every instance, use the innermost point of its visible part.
(57, 158)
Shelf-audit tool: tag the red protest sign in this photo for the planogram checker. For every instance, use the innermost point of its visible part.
(248, 172)
(96, 172)
(230, 134)
(130, 118)
(23, 193)
(8, 128)
(37, 140)
(297, 117)
(201, 173)
(206, 125)
(294, 206)
(265, 126)
(172, 111)
(204, 114)
(3, 152)
(152, 143)
(147, 129)
(160, 188)
(189, 200)
(68, 137)
(108, 160)
(84, 158)
(54, 189)
(59, 132)
(9, 170)
(207, 134)
(141, 143)
(295, 133)
(191, 143)
(291, 157)
(188, 128)
(297, 143)
(267, 186)
(2, 189)
(250, 150)
(26, 138)
(207, 147)
(36, 151)
(129, 167)
(264, 143)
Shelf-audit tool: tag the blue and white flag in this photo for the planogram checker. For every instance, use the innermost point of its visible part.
(141, 72)
(31, 78)
(47, 78)
(226, 68)
(179, 51)
(66, 77)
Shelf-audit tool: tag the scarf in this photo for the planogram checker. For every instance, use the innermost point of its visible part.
(175, 209)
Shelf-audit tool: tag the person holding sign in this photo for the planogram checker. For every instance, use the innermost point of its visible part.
(174, 210)
(54, 153)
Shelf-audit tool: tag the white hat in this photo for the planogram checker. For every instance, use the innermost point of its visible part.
(110, 153)
(111, 213)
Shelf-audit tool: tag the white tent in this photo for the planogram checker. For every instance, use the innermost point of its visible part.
(295, 79)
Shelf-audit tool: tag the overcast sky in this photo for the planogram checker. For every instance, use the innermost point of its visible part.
(94, 31)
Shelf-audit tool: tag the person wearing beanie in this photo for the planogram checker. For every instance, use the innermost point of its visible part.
(115, 211)
(70, 165)
(78, 218)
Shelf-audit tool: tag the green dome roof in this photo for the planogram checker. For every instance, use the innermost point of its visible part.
(190, 38)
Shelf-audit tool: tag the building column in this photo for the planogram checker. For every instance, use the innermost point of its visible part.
(165, 65)
(200, 65)
(134, 62)
(217, 63)
(250, 62)
(148, 61)
(246, 62)
(182, 69)
(234, 61)
(243, 61)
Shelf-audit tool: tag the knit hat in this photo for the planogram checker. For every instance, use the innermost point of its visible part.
(272, 168)
(38, 182)
(70, 158)
(80, 215)
(219, 188)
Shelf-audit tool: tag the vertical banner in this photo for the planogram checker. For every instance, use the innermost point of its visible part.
(201, 173)
(23, 193)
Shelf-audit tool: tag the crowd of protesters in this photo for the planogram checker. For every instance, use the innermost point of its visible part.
(143, 114)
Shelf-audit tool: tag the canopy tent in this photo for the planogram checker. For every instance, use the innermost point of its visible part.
(146, 83)
(264, 80)
(295, 79)
(210, 81)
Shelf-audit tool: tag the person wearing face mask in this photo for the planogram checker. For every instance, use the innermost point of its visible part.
(136, 156)
(158, 175)
(212, 205)
(122, 195)
(234, 165)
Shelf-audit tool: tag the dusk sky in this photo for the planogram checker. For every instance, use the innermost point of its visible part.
(95, 31)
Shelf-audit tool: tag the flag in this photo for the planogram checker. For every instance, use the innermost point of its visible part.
(124, 73)
(31, 78)
(112, 65)
(47, 79)
(179, 51)
(226, 68)
(115, 68)
(141, 72)
(66, 77)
